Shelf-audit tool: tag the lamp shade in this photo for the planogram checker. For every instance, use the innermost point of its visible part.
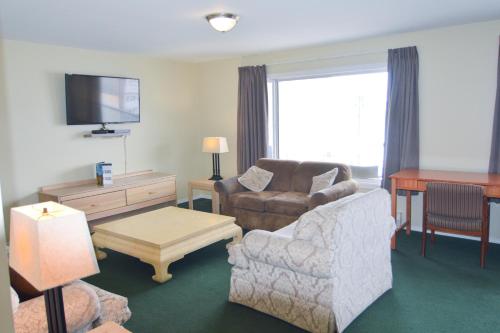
(50, 245)
(215, 144)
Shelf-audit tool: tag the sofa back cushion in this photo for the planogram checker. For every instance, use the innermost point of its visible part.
(303, 174)
(282, 170)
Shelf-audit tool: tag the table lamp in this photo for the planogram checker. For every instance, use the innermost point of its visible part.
(215, 145)
(50, 246)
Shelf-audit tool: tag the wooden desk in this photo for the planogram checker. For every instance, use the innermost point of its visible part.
(416, 180)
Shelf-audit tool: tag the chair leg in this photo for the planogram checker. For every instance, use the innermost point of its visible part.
(424, 241)
(483, 253)
(488, 226)
(424, 226)
(433, 236)
(484, 232)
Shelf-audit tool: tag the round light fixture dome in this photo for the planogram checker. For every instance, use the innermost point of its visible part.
(222, 22)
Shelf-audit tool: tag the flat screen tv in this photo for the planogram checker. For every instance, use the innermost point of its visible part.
(101, 100)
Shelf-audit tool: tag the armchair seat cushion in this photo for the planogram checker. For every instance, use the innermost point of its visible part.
(255, 201)
(288, 203)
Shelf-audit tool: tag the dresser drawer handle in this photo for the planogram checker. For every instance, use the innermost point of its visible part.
(93, 205)
(151, 193)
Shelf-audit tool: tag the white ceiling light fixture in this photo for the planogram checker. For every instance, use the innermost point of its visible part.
(222, 22)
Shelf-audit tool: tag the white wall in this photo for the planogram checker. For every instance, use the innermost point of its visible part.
(43, 150)
(5, 306)
(217, 106)
(457, 90)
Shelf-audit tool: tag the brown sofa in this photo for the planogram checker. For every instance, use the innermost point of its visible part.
(287, 195)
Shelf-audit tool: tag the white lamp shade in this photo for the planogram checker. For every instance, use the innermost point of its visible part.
(215, 144)
(50, 249)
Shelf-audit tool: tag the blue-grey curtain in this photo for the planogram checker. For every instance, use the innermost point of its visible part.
(401, 122)
(252, 116)
(495, 139)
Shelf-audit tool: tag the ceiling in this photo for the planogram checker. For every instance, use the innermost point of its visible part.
(177, 29)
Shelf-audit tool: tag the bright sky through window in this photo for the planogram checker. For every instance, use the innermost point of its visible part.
(335, 119)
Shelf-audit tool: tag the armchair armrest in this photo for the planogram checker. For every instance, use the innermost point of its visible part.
(228, 186)
(288, 253)
(332, 193)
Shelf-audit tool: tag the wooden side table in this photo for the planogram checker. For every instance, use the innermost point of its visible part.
(109, 327)
(204, 185)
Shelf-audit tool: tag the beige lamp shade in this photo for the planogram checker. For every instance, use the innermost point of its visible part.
(50, 245)
(215, 144)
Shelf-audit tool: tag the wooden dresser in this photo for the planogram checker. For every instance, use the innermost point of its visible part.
(128, 192)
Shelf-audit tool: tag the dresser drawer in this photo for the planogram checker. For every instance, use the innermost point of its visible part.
(150, 192)
(98, 203)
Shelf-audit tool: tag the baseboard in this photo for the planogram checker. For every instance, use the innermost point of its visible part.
(477, 239)
(199, 196)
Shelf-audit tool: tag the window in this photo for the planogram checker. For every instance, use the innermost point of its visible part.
(337, 118)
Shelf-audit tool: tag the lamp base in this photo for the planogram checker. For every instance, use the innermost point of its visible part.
(216, 167)
(54, 307)
(215, 177)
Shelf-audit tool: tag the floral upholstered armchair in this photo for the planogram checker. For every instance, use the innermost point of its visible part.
(322, 271)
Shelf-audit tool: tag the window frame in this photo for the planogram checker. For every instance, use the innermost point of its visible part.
(276, 78)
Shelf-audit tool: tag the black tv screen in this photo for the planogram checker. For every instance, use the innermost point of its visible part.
(101, 100)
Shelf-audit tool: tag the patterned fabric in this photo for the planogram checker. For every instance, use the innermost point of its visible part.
(455, 206)
(309, 316)
(255, 179)
(113, 307)
(81, 308)
(322, 275)
(318, 225)
(86, 306)
(308, 288)
(295, 254)
(323, 181)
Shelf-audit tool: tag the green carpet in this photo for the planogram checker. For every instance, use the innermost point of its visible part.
(445, 292)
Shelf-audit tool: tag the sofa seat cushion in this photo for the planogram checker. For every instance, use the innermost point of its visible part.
(251, 200)
(288, 203)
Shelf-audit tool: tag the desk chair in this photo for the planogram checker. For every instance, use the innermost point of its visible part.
(458, 209)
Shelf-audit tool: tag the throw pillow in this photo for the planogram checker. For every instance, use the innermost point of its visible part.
(323, 181)
(255, 179)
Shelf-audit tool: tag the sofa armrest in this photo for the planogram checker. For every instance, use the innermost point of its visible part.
(228, 186)
(332, 193)
(288, 253)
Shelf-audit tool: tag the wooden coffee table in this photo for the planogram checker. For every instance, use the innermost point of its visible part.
(162, 236)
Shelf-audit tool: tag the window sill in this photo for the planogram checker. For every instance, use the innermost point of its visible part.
(368, 184)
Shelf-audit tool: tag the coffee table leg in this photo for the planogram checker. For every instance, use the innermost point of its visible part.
(99, 254)
(238, 235)
(161, 272)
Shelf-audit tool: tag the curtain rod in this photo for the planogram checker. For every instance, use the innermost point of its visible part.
(325, 58)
